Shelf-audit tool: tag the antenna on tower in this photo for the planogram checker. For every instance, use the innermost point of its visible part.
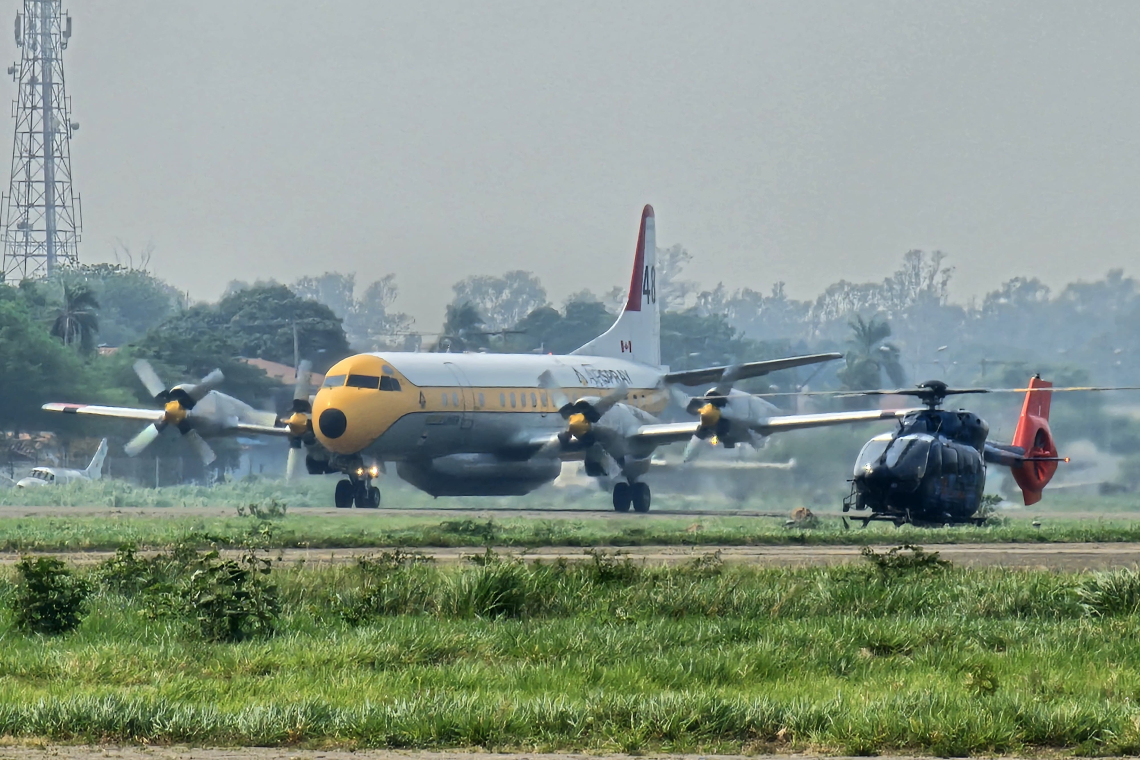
(42, 215)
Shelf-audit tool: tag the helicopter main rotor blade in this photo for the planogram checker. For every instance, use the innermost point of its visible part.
(1071, 388)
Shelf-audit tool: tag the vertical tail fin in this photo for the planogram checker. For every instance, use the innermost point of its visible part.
(636, 334)
(1036, 440)
(95, 469)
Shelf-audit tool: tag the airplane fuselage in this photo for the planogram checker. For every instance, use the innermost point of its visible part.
(461, 423)
(47, 476)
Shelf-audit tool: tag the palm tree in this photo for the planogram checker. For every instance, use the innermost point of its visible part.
(869, 357)
(78, 321)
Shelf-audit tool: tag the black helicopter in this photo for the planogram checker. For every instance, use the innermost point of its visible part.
(932, 469)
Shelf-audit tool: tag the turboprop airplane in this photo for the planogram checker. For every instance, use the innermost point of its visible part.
(46, 476)
(502, 424)
(475, 424)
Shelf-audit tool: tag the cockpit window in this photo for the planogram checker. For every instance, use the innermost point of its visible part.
(333, 381)
(907, 456)
(40, 474)
(363, 381)
(871, 454)
(389, 383)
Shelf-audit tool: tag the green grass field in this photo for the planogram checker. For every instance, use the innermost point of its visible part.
(608, 655)
(1113, 519)
(356, 530)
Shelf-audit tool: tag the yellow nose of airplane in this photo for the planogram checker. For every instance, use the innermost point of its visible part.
(351, 411)
(333, 408)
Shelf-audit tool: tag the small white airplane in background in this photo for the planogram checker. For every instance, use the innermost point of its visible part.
(47, 476)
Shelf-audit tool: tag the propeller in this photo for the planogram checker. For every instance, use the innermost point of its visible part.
(708, 410)
(177, 403)
(582, 415)
(300, 421)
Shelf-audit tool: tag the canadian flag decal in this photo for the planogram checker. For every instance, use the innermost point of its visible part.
(627, 346)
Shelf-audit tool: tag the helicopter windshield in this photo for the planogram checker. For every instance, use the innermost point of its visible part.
(907, 457)
(872, 453)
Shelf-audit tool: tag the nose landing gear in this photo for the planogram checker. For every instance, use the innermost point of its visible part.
(357, 490)
(636, 495)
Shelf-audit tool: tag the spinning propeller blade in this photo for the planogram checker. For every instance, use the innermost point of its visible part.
(144, 438)
(201, 448)
(150, 379)
(300, 422)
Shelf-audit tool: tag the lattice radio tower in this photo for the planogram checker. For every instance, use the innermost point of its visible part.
(42, 215)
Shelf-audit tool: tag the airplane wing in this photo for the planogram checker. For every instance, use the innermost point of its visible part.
(122, 412)
(750, 369)
(153, 415)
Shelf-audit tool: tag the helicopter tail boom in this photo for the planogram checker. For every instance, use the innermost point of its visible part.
(1033, 437)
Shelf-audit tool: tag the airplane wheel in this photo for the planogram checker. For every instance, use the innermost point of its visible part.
(366, 497)
(344, 493)
(622, 497)
(640, 496)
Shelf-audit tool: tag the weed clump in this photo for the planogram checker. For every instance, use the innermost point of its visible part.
(611, 568)
(1114, 592)
(907, 559)
(981, 680)
(486, 531)
(389, 585)
(49, 598)
(497, 588)
(273, 510)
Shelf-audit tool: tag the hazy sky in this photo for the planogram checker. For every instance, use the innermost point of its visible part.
(796, 141)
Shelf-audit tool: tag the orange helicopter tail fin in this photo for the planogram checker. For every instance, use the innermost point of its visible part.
(1034, 438)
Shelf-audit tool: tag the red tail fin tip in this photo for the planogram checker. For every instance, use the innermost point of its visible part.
(640, 272)
(1034, 438)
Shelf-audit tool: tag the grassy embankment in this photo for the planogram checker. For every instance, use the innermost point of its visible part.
(609, 655)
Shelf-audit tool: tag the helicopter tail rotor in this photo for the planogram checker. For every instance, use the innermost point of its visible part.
(1035, 438)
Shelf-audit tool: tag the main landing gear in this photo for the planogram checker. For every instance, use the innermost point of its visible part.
(360, 492)
(636, 495)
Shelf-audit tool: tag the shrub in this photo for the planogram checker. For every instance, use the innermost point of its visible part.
(49, 599)
(231, 600)
(125, 573)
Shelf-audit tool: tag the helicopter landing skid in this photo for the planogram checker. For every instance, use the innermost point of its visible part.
(905, 518)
